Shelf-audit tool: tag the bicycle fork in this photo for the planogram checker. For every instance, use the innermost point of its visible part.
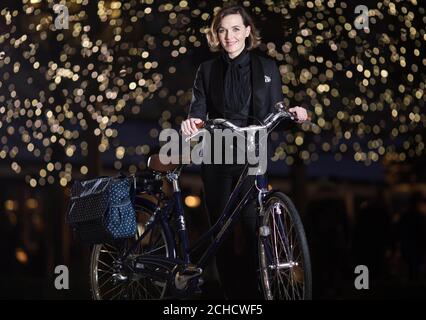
(277, 234)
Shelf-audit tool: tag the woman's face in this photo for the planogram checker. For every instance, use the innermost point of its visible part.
(232, 34)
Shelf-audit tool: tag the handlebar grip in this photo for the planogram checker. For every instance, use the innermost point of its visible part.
(200, 125)
(294, 114)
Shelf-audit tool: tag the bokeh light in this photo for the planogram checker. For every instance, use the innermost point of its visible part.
(65, 93)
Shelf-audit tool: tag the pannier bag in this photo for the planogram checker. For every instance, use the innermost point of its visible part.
(101, 210)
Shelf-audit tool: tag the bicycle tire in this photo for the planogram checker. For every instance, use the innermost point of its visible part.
(284, 260)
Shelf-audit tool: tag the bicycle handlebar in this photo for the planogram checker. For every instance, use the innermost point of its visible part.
(270, 120)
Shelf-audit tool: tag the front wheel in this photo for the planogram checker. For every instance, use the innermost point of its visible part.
(285, 266)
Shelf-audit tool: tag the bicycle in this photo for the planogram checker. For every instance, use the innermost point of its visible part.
(150, 265)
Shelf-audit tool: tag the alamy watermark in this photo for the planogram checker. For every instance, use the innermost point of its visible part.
(62, 18)
(62, 280)
(362, 281)
(227, 146)
(361, 22)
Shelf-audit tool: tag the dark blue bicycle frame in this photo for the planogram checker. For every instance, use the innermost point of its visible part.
(220, 229)
(229, 216)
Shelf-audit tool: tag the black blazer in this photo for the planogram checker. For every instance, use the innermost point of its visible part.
(207, 95)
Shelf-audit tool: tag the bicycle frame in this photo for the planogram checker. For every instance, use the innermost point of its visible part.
(230, 215)
(219, 230)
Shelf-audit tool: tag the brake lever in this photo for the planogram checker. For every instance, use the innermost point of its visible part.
(187, 139)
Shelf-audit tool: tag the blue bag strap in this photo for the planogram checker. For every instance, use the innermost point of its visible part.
(132, 180)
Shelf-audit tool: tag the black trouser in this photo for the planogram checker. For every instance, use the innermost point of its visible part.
(237, 259)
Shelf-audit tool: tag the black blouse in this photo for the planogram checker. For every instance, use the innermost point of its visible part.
(237, 88)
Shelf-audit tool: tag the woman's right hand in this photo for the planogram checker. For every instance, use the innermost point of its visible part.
(189, 126)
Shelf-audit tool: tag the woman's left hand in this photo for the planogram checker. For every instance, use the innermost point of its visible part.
(300, 112)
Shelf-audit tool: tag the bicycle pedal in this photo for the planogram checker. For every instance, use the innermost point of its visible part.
(183, 277)
(190, 272)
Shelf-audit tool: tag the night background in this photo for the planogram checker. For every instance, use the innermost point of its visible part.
(91, 99)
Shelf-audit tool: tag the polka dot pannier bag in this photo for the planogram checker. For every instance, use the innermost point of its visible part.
(101, 210)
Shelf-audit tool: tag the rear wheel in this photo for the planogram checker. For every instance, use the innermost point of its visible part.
(111, 278)
(285, 267)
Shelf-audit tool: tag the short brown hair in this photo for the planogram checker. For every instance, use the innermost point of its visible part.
(252, 40)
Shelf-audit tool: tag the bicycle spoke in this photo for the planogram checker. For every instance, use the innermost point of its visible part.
(279, 278)
(109, 245)
(105, 271)
(106, 281)
(112, 289)
(157, 240)
(104, 275)
(144, 290)
(283, 239)
(109, 253)
(280, 235)
(155, 250)
(133, 290)
(105, 264)
(118, 294)
(108, 273)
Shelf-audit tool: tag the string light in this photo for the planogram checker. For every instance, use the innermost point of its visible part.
(364, 88)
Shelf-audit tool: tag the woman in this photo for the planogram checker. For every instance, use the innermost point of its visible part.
(243, 88)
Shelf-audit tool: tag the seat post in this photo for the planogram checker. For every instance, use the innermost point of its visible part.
(173, 177)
